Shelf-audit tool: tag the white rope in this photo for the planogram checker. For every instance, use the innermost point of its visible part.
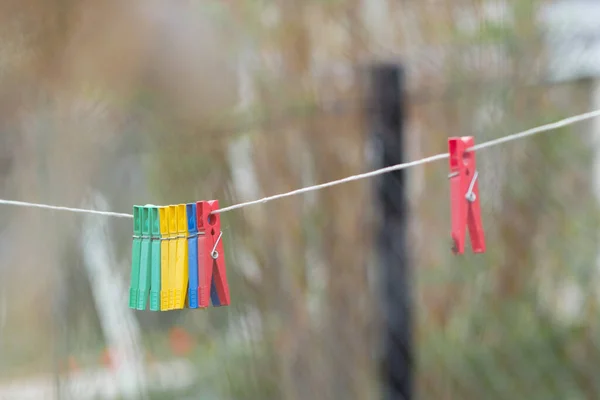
(540, 129)
(520, 135)
(58, 208)
(515, 136)
(337, 182)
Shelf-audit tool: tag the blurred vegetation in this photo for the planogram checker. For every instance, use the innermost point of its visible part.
(171, 102)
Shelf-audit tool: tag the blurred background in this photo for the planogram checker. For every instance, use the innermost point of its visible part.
(106, 104)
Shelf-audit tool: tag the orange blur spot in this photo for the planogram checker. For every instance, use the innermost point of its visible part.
(181, 342)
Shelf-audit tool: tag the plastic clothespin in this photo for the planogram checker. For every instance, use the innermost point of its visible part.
(212, 272)
(136, 249)
(192, 255)
(155, 259)
(172, 255)
(164, 257)
(181, 271)
(144, 285)
(464, 196)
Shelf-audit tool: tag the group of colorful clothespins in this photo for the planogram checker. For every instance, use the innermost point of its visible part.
(177, 254)
(177, 257)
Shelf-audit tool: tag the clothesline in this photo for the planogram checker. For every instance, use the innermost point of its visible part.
(516, 136)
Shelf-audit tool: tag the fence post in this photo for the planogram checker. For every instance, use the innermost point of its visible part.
(386, 123)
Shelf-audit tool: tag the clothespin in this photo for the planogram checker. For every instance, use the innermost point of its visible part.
(172, 255)
(192, 255)
(155, 259)
(136, 251)
(181, 271)
(464, 195)
(144, 285)
(164, 258)
(212, 273)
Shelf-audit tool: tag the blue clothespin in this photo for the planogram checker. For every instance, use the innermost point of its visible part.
(192, 255)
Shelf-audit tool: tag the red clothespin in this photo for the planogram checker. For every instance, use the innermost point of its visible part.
(464, 196)
(212, 275)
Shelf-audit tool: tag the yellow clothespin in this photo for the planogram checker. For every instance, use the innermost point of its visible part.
(172, 255)
(164, 258)
(181, 269)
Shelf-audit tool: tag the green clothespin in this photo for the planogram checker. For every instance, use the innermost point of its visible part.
(135, 257)
(144, 281)
(155, 260)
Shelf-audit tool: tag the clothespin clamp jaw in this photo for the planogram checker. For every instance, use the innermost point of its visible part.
(212, 273)
(464, 196)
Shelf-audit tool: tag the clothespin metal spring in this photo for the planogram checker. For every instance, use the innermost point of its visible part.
(214, 253)
(471, 196)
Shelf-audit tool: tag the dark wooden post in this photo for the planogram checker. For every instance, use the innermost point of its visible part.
(386, 123)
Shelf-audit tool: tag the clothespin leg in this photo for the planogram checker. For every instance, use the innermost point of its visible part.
(214, 296)
(219, 279)
(476, 232)
(204, 272)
